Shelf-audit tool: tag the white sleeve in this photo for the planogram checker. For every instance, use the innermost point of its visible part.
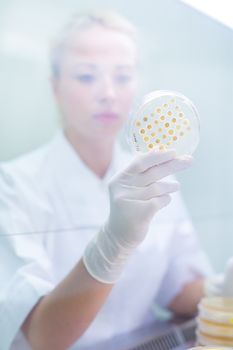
(187, 261)
(25, 270)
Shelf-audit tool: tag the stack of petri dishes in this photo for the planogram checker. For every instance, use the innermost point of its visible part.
(215, 322)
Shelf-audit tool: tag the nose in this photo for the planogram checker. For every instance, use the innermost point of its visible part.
(107, 90)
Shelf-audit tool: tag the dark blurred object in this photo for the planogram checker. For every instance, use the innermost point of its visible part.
(178, 334)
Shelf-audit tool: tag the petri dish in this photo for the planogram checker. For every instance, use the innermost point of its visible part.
(217, 310)
(215, 329)
(164, 120)
(218, 303)
(206, 339)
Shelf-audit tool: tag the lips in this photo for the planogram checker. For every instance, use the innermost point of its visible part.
(107, 116)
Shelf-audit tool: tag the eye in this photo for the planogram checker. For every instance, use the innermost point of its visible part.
(85, 78)
(123, 78)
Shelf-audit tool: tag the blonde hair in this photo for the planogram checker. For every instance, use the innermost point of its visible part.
(82, 21)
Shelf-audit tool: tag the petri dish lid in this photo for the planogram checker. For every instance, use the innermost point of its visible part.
(164, 120)
(217, 310)
(215, 329)
(223, 343)
(218, 304)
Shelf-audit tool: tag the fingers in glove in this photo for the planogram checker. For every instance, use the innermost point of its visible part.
(143, 162)
(159, 202)
(147, 208)
(161, 171)
(152, 191)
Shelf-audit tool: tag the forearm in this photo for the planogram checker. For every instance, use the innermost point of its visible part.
(62, 316)
(186, 302)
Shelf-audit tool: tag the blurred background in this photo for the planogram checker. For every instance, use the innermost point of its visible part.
(182, 49)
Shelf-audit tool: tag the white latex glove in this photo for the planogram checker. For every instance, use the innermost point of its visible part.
(136, 194)
(222, 284)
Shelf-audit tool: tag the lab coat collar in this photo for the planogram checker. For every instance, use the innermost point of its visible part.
(71, 165)
(83, 194)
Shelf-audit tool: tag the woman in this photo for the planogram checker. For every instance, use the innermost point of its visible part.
(57, 284)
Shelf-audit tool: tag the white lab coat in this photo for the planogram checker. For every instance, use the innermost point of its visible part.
(51, 205)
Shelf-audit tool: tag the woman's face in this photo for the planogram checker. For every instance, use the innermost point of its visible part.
(97, 82)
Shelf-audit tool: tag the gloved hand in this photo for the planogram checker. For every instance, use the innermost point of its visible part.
(222, 284)
(136, 194)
